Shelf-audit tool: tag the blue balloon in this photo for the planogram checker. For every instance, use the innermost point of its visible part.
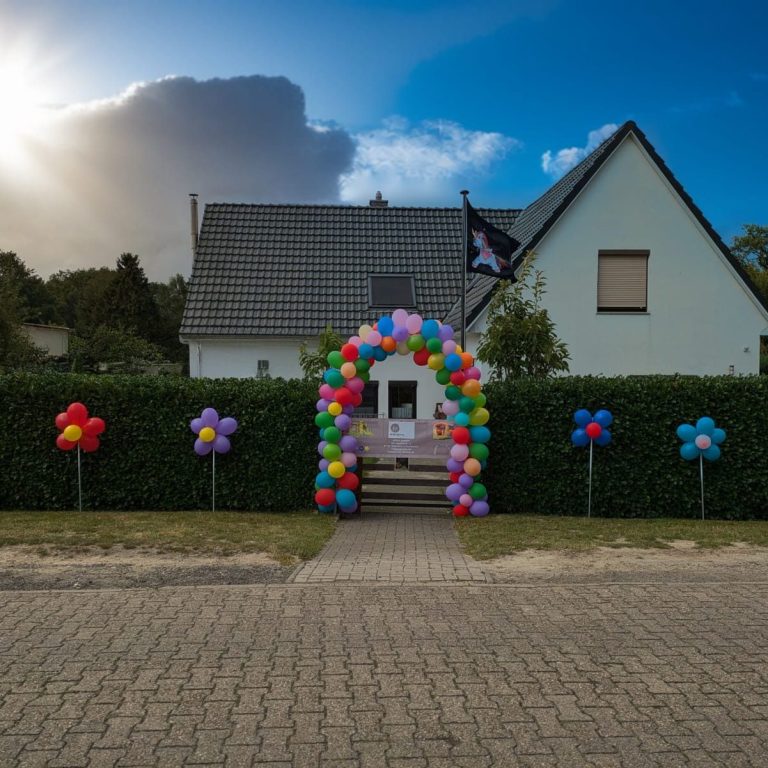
(430, 329)
(385, 326)
(604, 418)
(365, 351)
(604, 438)
(705, 426)
(580, 438)
(480, 434)
(712, 453)
(326, 508)
(718, 436)
(345, 498)
(453, 362)
(582, 417)
(687, 433)
(462, 419)
(379, 354)
(689, 451)
(324, 480)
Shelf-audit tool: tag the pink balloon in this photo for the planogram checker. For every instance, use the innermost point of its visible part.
(460, 452)
(703, 442)
(327, 392)
(356, 340)
(449, 347)
(374, 338)
(466, 500)
(450, 407)
(413, 323)
(356, 385)
(400, 317)
(472, 373)
(348, 459)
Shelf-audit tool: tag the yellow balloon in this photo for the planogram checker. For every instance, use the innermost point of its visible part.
(364, 331)
(458, 349)
(336, 469)
(348, 370)
(207, 434)
(402, 348)
(437, 361)
(73, 433)
(335, 409)
(478, 417)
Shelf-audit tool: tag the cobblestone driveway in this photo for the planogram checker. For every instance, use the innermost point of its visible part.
(398, 676)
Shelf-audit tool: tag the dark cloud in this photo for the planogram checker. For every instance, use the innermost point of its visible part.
(114, 176)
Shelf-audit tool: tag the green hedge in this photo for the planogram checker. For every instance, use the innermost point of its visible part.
(534, 468)
(146, 460)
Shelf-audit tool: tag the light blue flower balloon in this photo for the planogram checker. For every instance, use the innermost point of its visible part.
(705, 426)
(712, 453)
(687, 433)
(718, 436)
(689, 451)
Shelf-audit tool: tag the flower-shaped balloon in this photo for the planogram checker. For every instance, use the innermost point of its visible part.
(591, 428)
(77, 429)
(702, 440)
(212, 432)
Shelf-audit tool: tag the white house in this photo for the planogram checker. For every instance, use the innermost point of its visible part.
(638, 281)
(52, 339)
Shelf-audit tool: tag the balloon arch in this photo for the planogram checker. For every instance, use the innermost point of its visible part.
(432, 344)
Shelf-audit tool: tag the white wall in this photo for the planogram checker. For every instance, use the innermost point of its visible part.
(53, 340)
(700, 318)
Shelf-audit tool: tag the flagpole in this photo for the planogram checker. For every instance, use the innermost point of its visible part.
(464, 244)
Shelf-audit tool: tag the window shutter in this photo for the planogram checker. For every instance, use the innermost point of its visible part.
(622, 282)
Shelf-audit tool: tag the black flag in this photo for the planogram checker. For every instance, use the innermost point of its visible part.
(489, 250)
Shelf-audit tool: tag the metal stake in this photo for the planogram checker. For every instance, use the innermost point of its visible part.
(701, 474)
(79, 481)
(589, 506)
(464, 245)
(213, 496)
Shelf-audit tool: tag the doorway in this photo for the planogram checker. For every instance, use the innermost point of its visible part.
(402, 399)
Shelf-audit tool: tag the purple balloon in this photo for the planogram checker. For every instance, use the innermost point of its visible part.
(201, 448)
(343, 422)
(321, 445)
(226, 427)
(479, 509)
(221, 444)
(322, 405)
(445, 333)
(454, 491)
(348, 444)
(196, 425)
(454, 466)
(323, 464)
(466, 481)
(348, 409)
(400, 333)
(209, 417)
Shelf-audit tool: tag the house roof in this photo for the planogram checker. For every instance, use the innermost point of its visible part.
(287, 270)
(539, 217)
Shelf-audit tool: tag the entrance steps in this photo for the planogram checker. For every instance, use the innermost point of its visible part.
(417, 489)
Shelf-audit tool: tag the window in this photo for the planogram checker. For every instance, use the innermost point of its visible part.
(262, 369)
(391, 291)
(402, 399)
(369, 408)
(622, 281)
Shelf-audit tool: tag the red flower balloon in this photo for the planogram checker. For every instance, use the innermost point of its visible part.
(78, 429)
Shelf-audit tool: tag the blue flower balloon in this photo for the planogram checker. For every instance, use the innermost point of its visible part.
(704, 439)
(591, 428)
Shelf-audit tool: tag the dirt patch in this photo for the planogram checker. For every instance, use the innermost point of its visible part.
(683, 562)
(25, 568)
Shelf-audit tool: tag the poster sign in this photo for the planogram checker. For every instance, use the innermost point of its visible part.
(396, 438)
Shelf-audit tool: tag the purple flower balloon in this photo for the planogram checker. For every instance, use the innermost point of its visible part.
(212, 432)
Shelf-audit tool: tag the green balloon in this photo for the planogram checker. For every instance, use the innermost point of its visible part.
(335, 378)
(365, 376)
(332, 434)
(481, 400)
(478, 491)
(453, 392)
(415, 342)
(443, 376)
(335, 359)
(478, 451)
(434, 345)
(467, 404)
(331, 452)
(362, 365)
(324, 420)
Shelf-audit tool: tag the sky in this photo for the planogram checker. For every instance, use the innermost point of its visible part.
(112, 112)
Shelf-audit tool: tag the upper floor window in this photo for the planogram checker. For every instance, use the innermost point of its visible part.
(622, 281)
(391, 291)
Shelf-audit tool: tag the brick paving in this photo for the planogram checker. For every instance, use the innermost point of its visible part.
(392, 548)
(398, 676)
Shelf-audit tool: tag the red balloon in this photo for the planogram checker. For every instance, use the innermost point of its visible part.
(357, 399)
(343, 396)
(460, 511)
(89, 443)
(349, 480)
(421, 357)
(350, 352)
(94, 426)
(458, 378)
(325, 497)
(77, 414)
(461, 435)
(64, 445)
(62, 421)
(455, 477)
(594, 430)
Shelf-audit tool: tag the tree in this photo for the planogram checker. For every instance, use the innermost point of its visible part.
(521, 340)
(128, 301)
(751, 247)
(16, 349)
(112, 345)
(314, 363)
(79, 296)
(33, 301)
(169, 299)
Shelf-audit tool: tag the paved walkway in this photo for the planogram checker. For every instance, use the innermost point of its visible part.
(369, 676)
(392, 548)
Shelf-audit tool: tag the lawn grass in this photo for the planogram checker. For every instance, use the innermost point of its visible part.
(283, 536)
(498, 535)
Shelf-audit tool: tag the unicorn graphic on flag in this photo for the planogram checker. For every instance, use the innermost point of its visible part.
(486, 257)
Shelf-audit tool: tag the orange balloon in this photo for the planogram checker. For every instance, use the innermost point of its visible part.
(348, 370)
(472, 467)
(388, 344)
(466, 360)
(471, 388)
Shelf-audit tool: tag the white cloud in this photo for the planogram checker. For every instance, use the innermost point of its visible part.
(417, 163)
(564, 159)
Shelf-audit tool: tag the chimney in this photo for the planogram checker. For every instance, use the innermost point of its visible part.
(193, 222)
(377, 202)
